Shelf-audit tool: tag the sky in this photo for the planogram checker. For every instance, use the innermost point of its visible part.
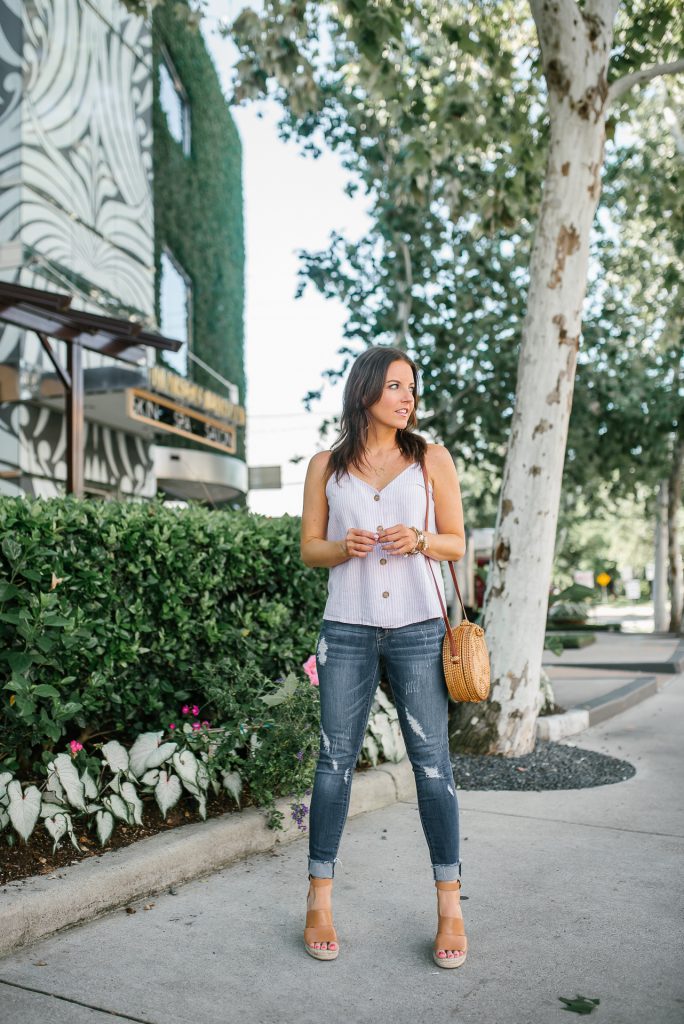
(291, 202)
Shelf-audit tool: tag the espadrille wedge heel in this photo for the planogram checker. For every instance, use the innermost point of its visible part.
(451, 937)
(319, 924)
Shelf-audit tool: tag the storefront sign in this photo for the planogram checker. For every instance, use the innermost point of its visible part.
(185, 391)
(169, 417)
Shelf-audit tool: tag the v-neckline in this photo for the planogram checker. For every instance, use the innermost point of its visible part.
(379, 490)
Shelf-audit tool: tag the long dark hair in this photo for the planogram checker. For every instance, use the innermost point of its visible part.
(364, 388)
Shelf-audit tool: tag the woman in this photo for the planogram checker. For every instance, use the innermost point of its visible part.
(364, 509)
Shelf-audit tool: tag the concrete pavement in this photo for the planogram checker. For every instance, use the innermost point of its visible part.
(617, 671)
(568, 893)
(615, 659)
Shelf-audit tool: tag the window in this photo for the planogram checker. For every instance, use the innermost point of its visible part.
(175, 308)
(174, 102)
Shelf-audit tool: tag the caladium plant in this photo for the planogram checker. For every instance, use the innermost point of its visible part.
(153, 766)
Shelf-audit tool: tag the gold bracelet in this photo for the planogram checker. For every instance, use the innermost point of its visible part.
(343, 548)
(419, 537)
(421, 541)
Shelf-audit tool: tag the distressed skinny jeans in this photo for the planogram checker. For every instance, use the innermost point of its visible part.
(348, 659)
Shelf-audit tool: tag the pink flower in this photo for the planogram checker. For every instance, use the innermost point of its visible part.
(185, 709)
(206, 723)
(196, 726)
(172, 725)
(195, 709)
(311, 670)
(75, 747)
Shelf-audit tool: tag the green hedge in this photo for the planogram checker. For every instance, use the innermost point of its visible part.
(114, 615)
(198, 204)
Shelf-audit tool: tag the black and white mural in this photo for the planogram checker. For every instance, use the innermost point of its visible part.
(76, 211)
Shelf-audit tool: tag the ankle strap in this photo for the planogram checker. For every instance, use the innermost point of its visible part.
(449, 885)
(319, 881)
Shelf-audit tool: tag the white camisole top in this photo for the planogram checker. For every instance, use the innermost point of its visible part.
(381, 589)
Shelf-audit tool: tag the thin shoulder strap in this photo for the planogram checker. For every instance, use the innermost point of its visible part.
(451, 564)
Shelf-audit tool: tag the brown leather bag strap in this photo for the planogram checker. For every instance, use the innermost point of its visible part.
(451, 568)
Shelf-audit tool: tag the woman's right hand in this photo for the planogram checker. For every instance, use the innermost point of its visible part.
(358, 543)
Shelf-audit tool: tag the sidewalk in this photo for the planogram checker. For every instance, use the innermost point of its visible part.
(604, 679)
(568, 893)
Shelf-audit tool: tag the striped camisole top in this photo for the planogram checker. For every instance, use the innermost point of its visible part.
(381, 589)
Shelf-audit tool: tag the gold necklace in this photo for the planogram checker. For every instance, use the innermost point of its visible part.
(379, 470)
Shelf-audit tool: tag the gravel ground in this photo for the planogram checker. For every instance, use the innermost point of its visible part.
(548, 766)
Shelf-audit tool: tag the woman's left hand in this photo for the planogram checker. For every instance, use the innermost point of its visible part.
(397, 540)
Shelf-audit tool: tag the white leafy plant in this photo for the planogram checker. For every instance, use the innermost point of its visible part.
(151, 765)
(383, 735)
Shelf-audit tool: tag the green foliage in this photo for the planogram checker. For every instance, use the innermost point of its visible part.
(580, 1004)
(435, 112)
(113, 615)
(627, 410)
(439, 113)
(275, 767)
(198, 203)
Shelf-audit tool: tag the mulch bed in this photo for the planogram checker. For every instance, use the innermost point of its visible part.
(36, 857)
(549, 766)
(552, 709)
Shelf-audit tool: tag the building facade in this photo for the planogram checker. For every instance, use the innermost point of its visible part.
(120, 183)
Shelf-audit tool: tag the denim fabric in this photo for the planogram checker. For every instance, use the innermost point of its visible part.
(349, 658)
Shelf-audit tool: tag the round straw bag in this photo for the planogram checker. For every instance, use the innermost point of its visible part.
(464, 651)
(466, 662)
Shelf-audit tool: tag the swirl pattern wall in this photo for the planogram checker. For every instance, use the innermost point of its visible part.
(76, 209)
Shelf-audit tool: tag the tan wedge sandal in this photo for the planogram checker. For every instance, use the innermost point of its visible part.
(450, 932)
(319, 926)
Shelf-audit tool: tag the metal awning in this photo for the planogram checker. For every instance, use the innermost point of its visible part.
(49, 314)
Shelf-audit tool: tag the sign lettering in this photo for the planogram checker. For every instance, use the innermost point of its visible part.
(165, 416)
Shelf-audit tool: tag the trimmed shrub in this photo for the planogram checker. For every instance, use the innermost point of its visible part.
(112, 615)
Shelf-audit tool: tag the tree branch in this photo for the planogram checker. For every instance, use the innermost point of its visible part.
(621, 85)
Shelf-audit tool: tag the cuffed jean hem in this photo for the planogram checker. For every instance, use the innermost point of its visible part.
(322, 868)
(446, 872)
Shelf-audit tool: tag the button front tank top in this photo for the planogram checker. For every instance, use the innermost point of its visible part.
(381, 589)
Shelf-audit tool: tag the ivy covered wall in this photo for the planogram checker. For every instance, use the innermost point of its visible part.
(198, 205)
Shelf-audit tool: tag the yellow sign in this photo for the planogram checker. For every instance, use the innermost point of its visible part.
(603, 579)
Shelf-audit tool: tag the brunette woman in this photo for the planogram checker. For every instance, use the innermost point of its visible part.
(363, 519)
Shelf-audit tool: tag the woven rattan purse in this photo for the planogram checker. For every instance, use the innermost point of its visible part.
(464, 651)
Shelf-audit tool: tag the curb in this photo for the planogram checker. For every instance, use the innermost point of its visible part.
(591, 712)
(36, 907)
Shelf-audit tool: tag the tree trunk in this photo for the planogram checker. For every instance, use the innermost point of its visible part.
(674, 554)
(660, 618)
(575, 51)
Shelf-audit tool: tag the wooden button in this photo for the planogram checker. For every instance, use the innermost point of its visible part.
(376, 497)
(385, 593)
(383, 561)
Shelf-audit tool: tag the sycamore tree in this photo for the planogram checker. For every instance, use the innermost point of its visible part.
(447, 110)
